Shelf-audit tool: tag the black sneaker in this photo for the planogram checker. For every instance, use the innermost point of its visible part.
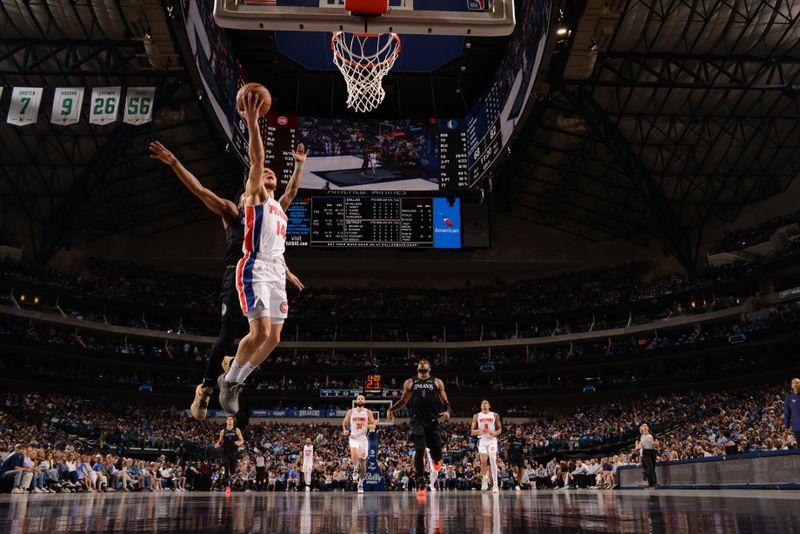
(228, 394)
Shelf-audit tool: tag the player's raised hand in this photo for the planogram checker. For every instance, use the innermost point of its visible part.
(300, 154)
(390, 415)
(161, 153)
(252, 106)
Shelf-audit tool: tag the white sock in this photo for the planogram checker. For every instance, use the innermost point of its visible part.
(246, 370)
(493, 465)
(234, 373)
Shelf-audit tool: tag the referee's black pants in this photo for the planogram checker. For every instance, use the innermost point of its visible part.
(649, 467)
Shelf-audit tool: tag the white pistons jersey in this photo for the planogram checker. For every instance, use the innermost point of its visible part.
(308, 455)
(264, 230)
(358, 422)
(486, 424)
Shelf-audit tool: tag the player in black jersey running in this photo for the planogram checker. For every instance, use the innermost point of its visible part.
(515, 456)
(428, 402)
(230, 439)
(233, 322)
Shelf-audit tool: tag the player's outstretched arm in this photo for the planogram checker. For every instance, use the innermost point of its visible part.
(239, 438)
(218, 444)
(222, 207)
(442, 395)
(299, 156)
(397, 406)
(255, 145)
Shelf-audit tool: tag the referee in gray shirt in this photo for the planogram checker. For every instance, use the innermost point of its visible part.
(647, 447)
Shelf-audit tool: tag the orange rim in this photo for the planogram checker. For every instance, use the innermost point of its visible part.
(368, 65)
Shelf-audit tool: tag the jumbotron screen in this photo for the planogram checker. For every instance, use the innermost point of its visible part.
(433, 154)
(355, 221)
(407, 155)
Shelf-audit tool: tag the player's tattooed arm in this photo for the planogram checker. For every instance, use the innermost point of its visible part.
(442, 395)
(475, 431)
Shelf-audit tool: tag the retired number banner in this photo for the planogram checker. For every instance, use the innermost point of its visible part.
(139, 105)
(105, 104)
(67, 103)
(24, 106)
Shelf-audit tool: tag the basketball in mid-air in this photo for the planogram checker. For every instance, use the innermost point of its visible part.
(246, 89)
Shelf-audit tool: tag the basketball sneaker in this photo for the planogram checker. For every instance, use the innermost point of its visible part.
(361, 487)
(308, 488)
(495, 488)
(421, 492)
(229, 394)
(437, 466)
(228, 490)
(199, 407)
(355, 476)
(484, 484)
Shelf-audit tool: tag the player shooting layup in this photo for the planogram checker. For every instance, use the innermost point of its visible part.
(360, 420)
(427, 399)
(261, 273)
(487, 426)
(232, 320)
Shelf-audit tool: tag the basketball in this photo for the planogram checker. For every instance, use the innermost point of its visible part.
(258, 88)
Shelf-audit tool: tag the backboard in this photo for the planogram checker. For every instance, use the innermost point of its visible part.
(486, 18)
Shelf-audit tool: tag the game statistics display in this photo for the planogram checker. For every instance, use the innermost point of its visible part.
(350, 221)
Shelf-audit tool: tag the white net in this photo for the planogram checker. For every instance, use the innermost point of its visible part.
(364, 59)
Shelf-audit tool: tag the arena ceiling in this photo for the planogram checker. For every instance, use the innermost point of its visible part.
(83, 181)
(657, 116)
(653, 118)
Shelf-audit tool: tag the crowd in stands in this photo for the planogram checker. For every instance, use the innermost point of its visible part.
(506, 310)
(64, 443)
(733, 331)
(743, 238)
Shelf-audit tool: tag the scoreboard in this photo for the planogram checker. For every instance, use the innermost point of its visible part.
(453, 155)
(355, 221)
(372, 385)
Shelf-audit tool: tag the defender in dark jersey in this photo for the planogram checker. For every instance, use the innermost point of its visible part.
(232, 320)
(516, 456)
(230, 439)
(428, 402)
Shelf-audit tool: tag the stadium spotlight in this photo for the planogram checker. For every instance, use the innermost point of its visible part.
(562, 31)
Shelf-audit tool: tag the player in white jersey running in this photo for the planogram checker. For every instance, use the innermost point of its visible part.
(356, 423)
(487, 426)
(306, 462)
(261, 273)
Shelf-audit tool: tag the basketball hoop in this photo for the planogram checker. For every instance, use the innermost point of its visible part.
(364, 59)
